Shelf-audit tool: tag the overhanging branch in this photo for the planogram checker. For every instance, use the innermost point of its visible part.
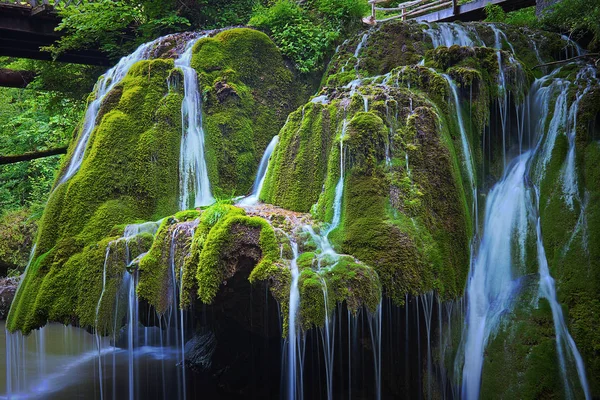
(32, 155)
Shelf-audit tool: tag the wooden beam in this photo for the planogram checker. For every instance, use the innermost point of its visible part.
(14, 78)
(32, 155)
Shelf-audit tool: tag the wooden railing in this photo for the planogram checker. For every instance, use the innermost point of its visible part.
(409, 9)
(40, 3)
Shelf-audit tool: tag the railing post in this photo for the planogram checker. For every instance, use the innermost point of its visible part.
(455, 7)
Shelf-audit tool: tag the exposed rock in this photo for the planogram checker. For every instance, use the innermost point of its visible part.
(225, 91)
(8, 287)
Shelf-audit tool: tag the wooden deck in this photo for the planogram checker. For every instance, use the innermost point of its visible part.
(473, 11)
(25, 26)
(440, 10)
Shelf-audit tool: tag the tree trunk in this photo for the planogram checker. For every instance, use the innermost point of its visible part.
(15, 79)
(32, 155)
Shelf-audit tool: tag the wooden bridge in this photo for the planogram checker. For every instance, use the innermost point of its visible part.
(442, 10)
(27, 25)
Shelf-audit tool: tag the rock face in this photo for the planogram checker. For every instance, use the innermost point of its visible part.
(129, 172)
(8, 287)
(390, 165)
(542, 5)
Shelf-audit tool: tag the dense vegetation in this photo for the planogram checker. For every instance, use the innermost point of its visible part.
(45, 114)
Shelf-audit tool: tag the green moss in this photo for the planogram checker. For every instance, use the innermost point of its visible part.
(218, 256)
(249, 91)
(299, 162)
(126, 176)
(187, 215)
(153, 284)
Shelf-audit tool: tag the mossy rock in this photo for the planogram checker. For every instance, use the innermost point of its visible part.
(249, 90)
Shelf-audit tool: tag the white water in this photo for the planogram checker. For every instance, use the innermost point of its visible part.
(261, 174)
(466, 148)
(339, 187)
(490, 286)
(509, 211)
(450, 34)
(294, 390)
(564, 340)
(104, 85)
(569, 175)
(194, 184)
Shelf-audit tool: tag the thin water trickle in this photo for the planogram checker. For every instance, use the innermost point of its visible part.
(105, 84)
(294, 384)
(261, 175)
(194, 184)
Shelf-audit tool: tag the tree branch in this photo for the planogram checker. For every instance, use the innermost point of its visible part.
(589, 55)
(14, 78)
(32, 155)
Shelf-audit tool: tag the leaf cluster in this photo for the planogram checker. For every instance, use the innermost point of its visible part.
(307, 33)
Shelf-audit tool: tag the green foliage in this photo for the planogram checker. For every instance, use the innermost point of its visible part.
(494, 13)
(523, 17)
(577, 17)
(340, 12)
(212, 14)
(17, 234)
(30, 121)
(103, 24)
(307, 35)
(296, 34)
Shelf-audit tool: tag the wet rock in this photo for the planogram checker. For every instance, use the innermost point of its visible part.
(8, 287)
(225, 91)
(199, 351)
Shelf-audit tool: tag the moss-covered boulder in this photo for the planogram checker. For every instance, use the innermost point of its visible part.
(130, 168)
(249, 90)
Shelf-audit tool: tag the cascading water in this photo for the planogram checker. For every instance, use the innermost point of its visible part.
(510, 210)
(490, 285)
(450, 34)
(569, 176)
(105, 84)
(294, 372)
(466, 148)
(564, 341)
(261, 174)
(194, 184)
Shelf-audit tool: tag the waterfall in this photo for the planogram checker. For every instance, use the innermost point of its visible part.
(564, 340)
(294, 384)
(261, 174)
(490, 285)
(466, 148)
(339, 187)
(450, 34)
(569, 176)
(194, 184)
(510, 209)
(105, 84)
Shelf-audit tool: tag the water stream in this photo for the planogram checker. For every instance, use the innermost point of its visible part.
(194, 184)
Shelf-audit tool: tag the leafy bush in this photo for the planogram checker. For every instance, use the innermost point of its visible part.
(34, 120)
(103, 24)
(523, 17)
(577, 18)
(306, 35)
(343, 12)
(17, 234)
